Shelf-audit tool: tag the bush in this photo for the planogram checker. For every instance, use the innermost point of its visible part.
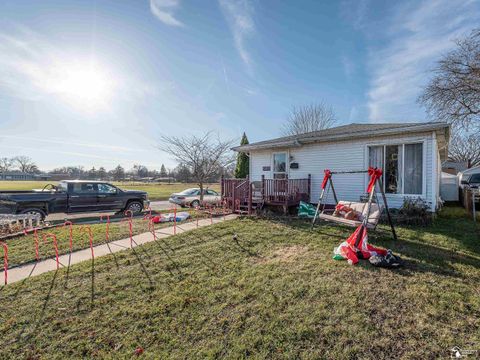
(414, 211)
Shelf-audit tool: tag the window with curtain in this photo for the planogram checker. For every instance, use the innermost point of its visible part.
(402, 167)
(413, 168)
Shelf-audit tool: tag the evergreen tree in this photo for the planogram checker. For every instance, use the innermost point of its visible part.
(119, 173)
(102, 173)
(241, 170)
(92, 173)
(163, 171)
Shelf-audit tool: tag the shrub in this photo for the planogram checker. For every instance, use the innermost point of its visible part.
(414, 211)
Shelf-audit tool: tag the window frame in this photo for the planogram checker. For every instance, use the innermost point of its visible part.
(107, 193)
(402, 143)
(286, 164)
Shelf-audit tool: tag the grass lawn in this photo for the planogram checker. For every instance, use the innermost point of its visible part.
(274, 292)
(155, 191)
(21, 249)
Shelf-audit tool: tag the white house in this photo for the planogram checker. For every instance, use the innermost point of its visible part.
(410, 155)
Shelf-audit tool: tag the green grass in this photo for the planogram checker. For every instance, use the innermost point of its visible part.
(22, 248)
(155, 191)
(274, 292)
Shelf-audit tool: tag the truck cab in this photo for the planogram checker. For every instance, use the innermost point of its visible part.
(74, 196)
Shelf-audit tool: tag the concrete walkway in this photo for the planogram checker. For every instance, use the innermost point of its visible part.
(32, 269)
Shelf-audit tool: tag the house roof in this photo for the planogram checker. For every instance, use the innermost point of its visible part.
(350, 131)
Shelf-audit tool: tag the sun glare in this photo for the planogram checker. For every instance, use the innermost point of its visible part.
(86, 85)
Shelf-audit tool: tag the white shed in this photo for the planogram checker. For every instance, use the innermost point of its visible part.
(410, 155)
(449, 187)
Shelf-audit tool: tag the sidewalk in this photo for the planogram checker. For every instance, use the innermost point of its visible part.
(32, 269)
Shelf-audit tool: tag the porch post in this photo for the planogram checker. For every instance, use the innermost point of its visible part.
(222, 178)
(309, 186)
(263, 187)
(234, 190)
(250, 198)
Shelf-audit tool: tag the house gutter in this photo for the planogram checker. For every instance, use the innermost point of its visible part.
(319, 139)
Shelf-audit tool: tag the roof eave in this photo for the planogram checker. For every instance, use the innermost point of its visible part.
(363, 134)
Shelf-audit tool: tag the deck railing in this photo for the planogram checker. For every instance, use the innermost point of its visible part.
(285, 192)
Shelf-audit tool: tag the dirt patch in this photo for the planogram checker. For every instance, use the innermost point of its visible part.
(284, 254)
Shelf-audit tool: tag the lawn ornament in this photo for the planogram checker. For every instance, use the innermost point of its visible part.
(357, 247)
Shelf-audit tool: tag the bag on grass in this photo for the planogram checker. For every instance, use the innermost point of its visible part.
(306, 210)
(387, 261)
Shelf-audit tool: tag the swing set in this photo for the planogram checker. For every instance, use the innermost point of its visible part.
(370, 211)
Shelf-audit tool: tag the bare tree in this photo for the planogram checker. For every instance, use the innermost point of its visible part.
(25, 164)
(203, 155)
(453, 95)
(465, 146)
(308, 118)
(5, 164)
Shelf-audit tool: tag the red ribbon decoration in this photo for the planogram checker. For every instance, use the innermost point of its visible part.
(55, 245)
(375, 174)
(328, 175)
(70, 224)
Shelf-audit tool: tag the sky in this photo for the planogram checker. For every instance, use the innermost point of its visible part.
(98, 82)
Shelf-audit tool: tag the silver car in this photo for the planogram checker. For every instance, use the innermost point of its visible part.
(191, 197)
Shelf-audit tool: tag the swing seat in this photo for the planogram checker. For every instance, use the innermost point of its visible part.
(375, 212)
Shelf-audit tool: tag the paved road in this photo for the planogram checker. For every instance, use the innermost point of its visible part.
(155, 205)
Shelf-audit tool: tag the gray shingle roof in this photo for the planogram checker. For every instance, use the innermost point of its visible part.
(344, 132)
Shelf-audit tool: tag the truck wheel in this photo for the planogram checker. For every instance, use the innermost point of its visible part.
(34, 212)
(135, 207)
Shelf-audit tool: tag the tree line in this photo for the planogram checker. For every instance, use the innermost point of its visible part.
(180, 173)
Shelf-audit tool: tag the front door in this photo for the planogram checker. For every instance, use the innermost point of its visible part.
(82, 197)
(280, 175)
(108, 198)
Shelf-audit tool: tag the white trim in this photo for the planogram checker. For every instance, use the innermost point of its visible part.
(287, 163)
(434, 171)
(389, 142)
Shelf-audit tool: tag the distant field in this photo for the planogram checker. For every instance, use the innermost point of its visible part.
(155, 191)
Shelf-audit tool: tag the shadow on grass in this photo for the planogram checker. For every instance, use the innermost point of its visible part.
(144, 269)
(22, 283)
(425, 256)
(42, 313)
(175, 265)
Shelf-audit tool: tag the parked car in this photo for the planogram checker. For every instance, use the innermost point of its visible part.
(191, 197)
(471, 180)
(73, 196)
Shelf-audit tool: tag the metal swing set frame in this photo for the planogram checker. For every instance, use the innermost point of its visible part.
(375, 178)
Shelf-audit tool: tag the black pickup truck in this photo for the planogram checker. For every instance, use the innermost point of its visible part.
(73, 196)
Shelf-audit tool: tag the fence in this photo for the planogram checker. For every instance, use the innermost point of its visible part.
(470, 198)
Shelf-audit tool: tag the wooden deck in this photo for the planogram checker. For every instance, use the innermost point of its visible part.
(244, 196)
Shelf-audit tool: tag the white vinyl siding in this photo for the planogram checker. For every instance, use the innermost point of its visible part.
(346, 156)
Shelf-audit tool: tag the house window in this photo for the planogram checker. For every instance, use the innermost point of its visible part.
(279, 165)
(402, 167)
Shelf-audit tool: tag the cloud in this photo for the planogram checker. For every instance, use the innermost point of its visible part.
(164, 9)
(115, 148)
(355, 12)
(415, 38)
(239, 16)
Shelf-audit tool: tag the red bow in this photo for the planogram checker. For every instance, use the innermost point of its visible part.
(328, 175)
(375, 174)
